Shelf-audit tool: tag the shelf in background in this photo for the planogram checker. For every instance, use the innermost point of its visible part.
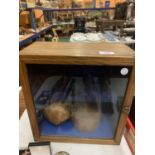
(71, 9)
(30, 37)
(27, 38)
(44, 29)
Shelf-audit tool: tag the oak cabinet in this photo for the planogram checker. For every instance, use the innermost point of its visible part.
(77, 92)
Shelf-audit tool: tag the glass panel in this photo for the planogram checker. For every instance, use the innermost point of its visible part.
(78, 101)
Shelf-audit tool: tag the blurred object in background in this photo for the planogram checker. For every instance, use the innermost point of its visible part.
(79, 24)
(131, 11)
(121, 10)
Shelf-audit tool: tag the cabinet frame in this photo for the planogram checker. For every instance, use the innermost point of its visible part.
(39, 59)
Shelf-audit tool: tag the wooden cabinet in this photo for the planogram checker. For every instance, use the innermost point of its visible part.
(95, 81)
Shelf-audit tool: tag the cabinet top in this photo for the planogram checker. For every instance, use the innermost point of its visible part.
(77, 53)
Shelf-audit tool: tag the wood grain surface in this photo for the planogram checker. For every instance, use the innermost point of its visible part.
(22, 105)
(77, 53)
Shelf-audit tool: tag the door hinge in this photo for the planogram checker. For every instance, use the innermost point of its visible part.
(126, 110)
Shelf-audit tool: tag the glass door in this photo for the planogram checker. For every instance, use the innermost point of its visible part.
(78, 101)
